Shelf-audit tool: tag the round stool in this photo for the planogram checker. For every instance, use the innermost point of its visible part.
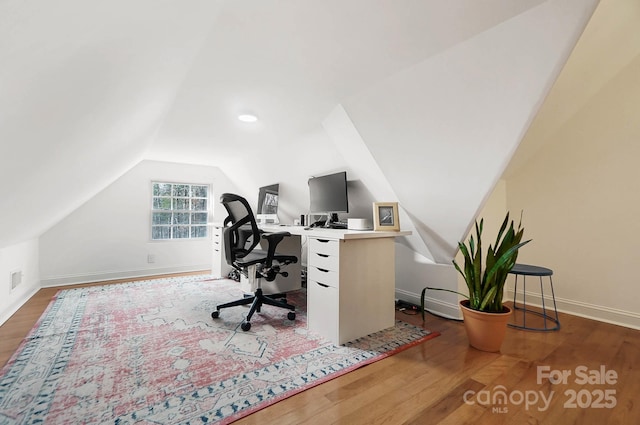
(525, 270)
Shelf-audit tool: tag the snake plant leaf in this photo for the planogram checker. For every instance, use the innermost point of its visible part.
(489, 297)
(502, 228)
(485, 282)
(502, 261)
(477, 263)
(423, 296)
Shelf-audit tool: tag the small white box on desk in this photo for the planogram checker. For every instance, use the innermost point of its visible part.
(359, 224)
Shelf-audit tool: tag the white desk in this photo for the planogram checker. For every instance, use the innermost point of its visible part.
(350, 280)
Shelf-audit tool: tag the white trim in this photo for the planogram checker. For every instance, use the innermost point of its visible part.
(129, 274)
(600, 313)
(15, 306)
(445, 309)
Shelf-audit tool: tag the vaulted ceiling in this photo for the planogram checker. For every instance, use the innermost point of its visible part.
(439, 92)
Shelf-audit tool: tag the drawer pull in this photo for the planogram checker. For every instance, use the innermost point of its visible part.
(322, 270)
(322, 284)
(322, 255)
(323, 240)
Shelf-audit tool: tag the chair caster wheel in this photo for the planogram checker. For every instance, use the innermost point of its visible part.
(245, 326)
(215, 314)
(291, 315)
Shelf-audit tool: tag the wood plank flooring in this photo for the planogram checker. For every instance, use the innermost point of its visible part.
(429, 383)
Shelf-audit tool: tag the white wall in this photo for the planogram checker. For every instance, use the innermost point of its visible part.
(313, 154)
(414, 267)
(443, 130)
(109, 236)
(22, 257)
(580, 197)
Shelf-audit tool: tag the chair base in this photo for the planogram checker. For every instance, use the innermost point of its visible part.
(257, 301)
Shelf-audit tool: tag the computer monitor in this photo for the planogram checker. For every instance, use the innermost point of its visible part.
(328, 195)
(267, 211)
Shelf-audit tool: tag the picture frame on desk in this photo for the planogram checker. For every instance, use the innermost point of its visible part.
(385, 216)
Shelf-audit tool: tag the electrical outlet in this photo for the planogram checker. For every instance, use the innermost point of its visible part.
(151, 258)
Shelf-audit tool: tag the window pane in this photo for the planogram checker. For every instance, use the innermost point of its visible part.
(199, 218)
(161, 203)
(160, 232)
(162, 189)
(181, 218)
(198, 231)
(162, 218)
(181, 204)
(199, 191)
(198, 205)
(179, 211)
(180, 232)
(181, 190)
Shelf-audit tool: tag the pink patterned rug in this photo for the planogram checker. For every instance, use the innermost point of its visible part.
(149, 352)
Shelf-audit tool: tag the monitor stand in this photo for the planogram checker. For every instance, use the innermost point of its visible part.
(331, 218)
(267, 218)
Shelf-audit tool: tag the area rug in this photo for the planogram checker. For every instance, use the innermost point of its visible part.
(149, 352)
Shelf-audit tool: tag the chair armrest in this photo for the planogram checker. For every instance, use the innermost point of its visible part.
(273, 240)
(278, 234)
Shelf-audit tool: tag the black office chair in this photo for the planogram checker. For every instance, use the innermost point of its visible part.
(241, 236)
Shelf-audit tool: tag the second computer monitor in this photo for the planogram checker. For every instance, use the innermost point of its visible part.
(328, 194)
(267, 211)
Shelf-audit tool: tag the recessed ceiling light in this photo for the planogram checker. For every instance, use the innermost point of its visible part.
(247, 118)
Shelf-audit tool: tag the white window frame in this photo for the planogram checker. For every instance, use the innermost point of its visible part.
(177, 213)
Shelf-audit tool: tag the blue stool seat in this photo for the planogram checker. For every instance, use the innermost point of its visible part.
(525, 270)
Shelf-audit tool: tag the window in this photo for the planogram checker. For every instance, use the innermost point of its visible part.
(179, 211)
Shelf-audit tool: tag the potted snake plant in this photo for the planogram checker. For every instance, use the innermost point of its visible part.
(485, 317)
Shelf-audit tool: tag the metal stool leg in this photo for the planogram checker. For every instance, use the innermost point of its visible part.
(515, 292)
(544, 310)
(555, 307)
(525, 271)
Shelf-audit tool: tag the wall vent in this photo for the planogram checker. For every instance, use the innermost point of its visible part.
(16, 279)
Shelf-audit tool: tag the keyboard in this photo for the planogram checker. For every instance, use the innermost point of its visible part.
(338, 225)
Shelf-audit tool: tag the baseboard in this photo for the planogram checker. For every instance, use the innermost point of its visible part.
(588, 311)
(128, 274)
(441, 308)
(614, 316)
(15, 306)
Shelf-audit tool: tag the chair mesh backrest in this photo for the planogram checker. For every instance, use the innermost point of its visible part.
(241, 233)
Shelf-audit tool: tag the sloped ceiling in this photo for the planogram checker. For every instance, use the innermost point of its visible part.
(291, 62)
(84, 85)
(88, 89)
(608, 47)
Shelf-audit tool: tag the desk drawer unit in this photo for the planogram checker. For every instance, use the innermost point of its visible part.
(350, 287)
(323, 261)
(324, 276)
(219, 266)
(323, 310)
(323, 301)
(324, 246)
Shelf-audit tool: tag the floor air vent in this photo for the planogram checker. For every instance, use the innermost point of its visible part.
(16, 279)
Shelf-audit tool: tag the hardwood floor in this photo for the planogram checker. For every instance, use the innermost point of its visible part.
(429, 383)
